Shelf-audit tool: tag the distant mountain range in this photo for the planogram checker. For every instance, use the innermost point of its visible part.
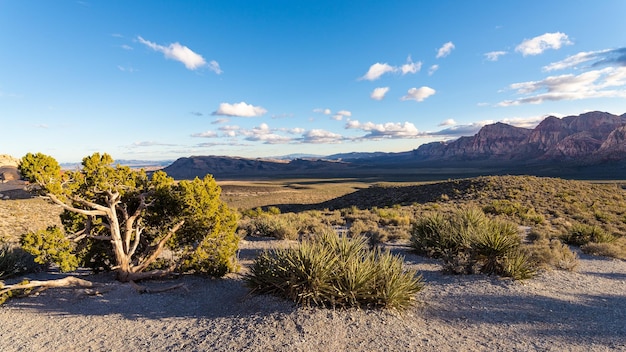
(590, 145)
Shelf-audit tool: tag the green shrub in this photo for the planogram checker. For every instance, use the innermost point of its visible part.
(50, 246)
(552, 253)
(333, 271)
(469, 242)
(581, 234)
(15, 261)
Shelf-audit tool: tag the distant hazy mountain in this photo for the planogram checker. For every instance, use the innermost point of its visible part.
(571, 144)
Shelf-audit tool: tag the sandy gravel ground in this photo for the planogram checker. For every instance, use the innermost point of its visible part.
(557, 311)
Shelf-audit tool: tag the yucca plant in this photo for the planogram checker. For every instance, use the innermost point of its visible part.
(333, 271)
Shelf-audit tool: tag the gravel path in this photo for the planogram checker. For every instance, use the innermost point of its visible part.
(556, 311)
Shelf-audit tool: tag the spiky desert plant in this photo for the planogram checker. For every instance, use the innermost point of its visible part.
(333, 271)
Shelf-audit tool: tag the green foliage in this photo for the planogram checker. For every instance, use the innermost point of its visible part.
(334, 271)
(581, 234)
(13, 293)
(120, 218)
(470, 242)
(50, 246)
(15, 261)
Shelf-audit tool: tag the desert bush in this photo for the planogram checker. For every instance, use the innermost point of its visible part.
(333, 271)
(469, 242)
(270, 226)
(581, 234)
(613, 249)
(552, 253)
(15, 261)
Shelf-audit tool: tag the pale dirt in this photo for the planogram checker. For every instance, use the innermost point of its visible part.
(556, 311)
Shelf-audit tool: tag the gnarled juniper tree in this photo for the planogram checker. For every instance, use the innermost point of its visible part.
(120, 219)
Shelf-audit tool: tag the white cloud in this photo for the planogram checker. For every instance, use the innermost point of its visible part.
(539, 44)
(418, 94)
(341, 114)
(445, 50)
(239, 109)
(207, 134)
(385, 130)
(322, 111)
(590, 84)
(432, 69)
(377, 70)
(317, 136)
(126, 47)
(126, 69)
(175, 51)
(379, 93)
(448, 122)
(220, 121)
(601, 57)
(494, 55)
(215, 67)
(410, 66)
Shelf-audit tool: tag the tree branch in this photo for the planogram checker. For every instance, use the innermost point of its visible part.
(158, 248)
(64, 282)
(97, 212)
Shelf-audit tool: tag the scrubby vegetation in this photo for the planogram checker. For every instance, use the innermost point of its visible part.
(556, 212)
(15, 261)
(335, 271)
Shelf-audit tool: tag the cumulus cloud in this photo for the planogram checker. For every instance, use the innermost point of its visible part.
(539, 44)
(241, 109)
(607, 57)
(445, 50)
(385, 130)
(605, 83)
(181, 53)
(461, 130)
(418, 94)
(494, 55)
(448, 122)
(341, 114)
(432, 69)
(410, 66)
(379, 93)
(377, 70)
(318, 136)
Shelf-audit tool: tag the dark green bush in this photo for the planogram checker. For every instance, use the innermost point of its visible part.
(333, 271)
(15, 261)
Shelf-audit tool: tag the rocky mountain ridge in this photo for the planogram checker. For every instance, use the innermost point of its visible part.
(556, 146)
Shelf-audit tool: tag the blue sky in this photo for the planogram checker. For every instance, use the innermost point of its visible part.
(155, 80)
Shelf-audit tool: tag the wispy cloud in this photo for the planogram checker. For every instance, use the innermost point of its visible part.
(494, 55)
(379, 93)
(126, 69)
(539, 44)
(220, 121)
(181, 53)
(432, 69)
(604, 83)
(418, 94)
(378, 69)
(445, 50)
(150, 144)
(241, 109)
(206, 134)
(322, 111)
(607, 57)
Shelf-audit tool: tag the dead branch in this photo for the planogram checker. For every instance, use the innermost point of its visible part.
(69, 281)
